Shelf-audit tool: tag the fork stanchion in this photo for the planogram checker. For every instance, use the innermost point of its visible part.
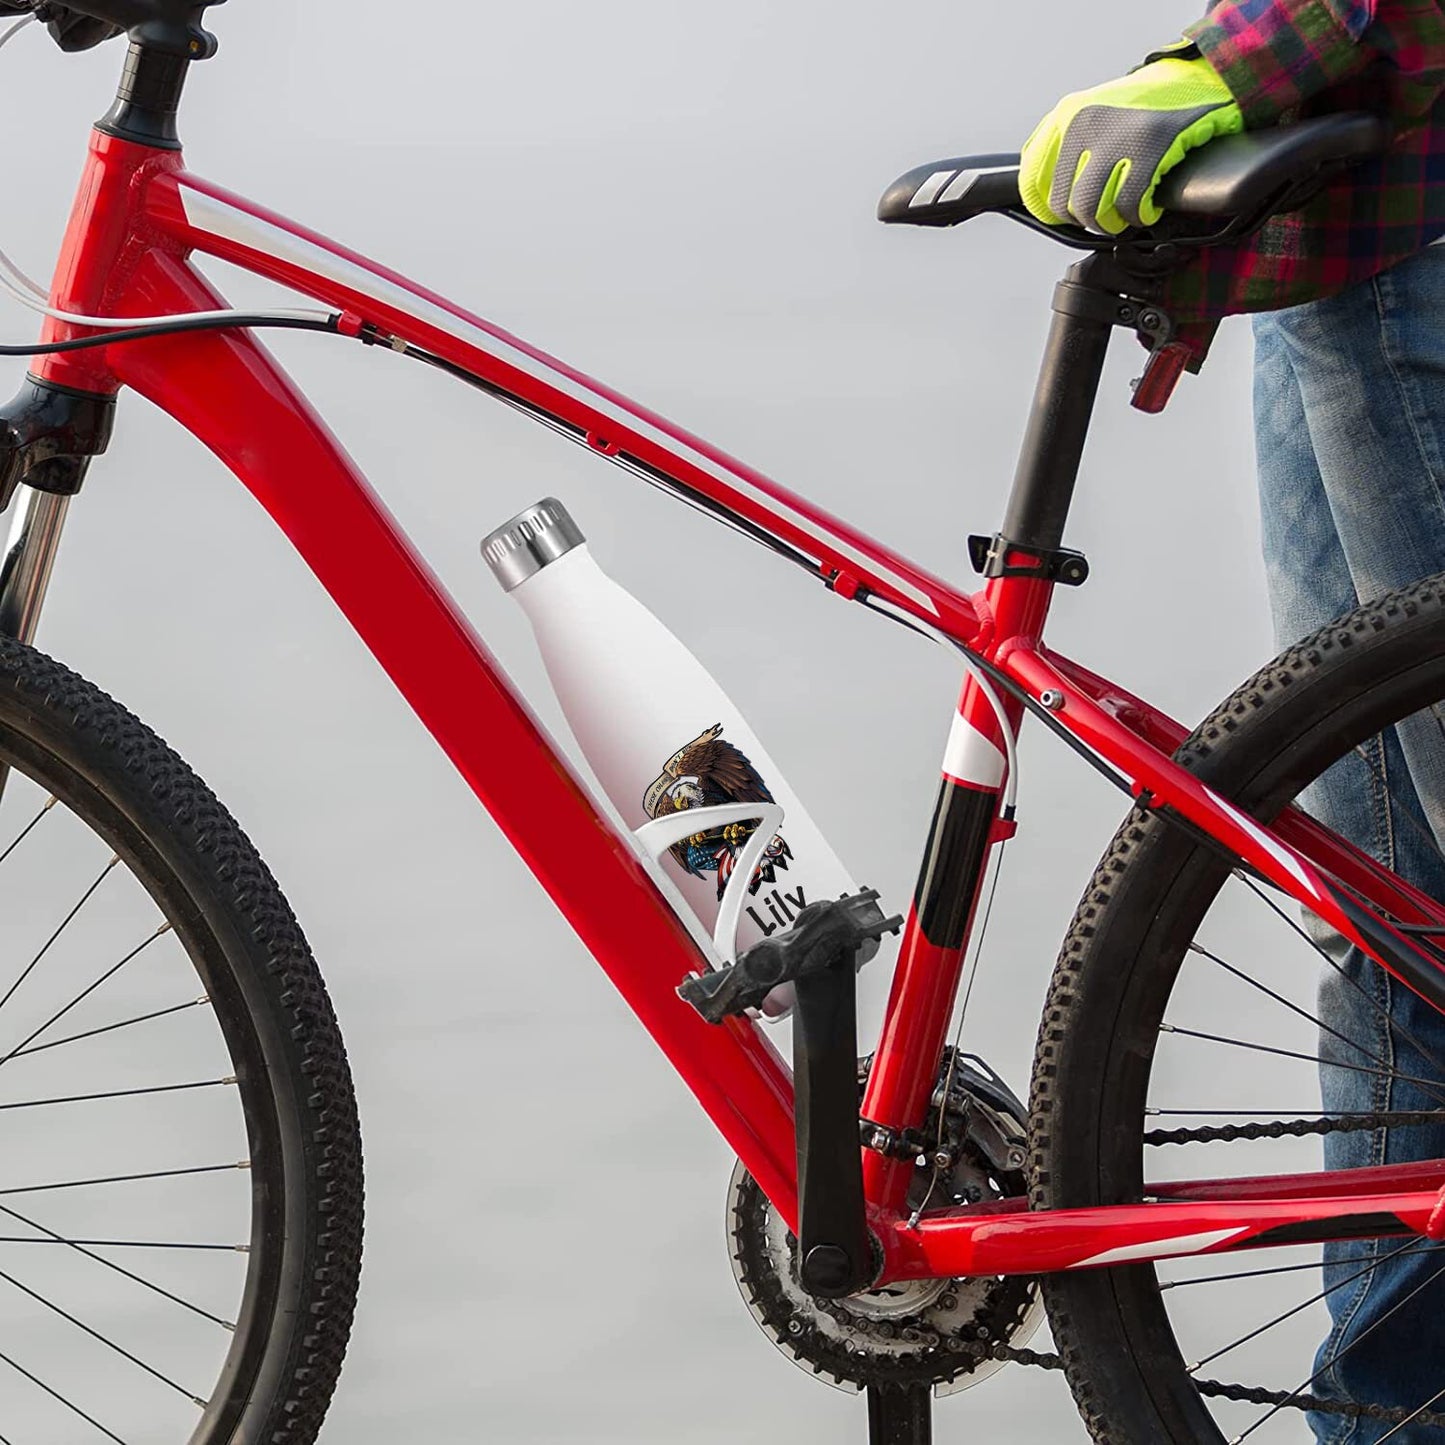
(900, 1415)
(28, 560)
(26, 565)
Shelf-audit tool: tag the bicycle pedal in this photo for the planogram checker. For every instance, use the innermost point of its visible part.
(826, 935)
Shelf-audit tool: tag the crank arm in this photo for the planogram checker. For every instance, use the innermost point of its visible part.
(835, 1254)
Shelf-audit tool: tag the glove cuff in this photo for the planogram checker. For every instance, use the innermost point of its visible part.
(1180, 50)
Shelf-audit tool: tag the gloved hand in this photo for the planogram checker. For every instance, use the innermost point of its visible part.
(1099, 155)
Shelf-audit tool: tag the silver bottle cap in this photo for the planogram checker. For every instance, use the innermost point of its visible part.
(522, 547)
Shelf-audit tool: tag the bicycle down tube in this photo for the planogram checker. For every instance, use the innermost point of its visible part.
(138, 219)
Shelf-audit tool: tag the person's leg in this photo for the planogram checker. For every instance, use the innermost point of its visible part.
(1350, 418)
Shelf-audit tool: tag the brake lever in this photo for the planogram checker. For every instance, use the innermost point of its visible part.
(74, 32)
(70, 30)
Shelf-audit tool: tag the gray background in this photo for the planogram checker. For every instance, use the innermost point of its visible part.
(679, 199)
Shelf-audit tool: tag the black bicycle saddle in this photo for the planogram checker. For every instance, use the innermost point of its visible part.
(1256, 173)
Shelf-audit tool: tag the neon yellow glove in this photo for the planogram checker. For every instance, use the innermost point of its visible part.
(1099, 155)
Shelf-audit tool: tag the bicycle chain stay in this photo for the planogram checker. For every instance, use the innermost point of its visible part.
(805, 1342)
(1254, 1394)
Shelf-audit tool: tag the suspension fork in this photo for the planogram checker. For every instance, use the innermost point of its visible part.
(28, 562)
(48, 437)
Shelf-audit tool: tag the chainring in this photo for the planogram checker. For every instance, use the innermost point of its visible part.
(916, 1332)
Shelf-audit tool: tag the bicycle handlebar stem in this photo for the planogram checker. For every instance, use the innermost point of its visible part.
(170, 27)
(149, 98)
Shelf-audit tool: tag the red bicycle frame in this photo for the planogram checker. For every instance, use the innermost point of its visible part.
(141, 217)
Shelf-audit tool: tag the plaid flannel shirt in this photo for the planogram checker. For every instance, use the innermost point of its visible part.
(1287, 59)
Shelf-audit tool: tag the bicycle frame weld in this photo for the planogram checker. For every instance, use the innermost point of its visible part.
(139, 220)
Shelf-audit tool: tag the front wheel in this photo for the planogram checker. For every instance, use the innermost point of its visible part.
(180, 1167)
(1194, 1017)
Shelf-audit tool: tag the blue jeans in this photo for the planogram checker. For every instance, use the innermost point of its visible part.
(1350, 422)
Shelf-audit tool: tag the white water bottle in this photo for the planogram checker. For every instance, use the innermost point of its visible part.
(664, 739)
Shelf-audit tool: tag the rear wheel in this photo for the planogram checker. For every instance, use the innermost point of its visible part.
(1183, 1038)
(180, 1168)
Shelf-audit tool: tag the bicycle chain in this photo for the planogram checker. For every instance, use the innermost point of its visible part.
(1220, 1390)
(1292, 1128)
(801, 1338)
(1253, 1394)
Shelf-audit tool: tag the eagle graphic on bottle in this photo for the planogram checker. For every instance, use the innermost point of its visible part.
(706, 773)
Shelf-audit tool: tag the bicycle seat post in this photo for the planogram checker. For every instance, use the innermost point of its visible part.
(1094, 299)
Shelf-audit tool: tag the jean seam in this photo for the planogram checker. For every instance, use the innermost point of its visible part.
(1408, 408)
(1348, 1431)
(1376, 767)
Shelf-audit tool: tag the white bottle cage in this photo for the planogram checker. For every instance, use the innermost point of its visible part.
(659, 835)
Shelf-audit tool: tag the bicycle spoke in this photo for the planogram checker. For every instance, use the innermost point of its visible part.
(111, 1028)
(118, 1269)
(96, 1335)
(118, 1094)
(64, 924)
(129, 1243)
(125, 1178)
(85, 993)
(1167, 1028)
(56, 1395)
(1340, 1354)
(1314, 1264)
(1290, 1313)
(1335, 966)
(29, 828)
(1294, 1008)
